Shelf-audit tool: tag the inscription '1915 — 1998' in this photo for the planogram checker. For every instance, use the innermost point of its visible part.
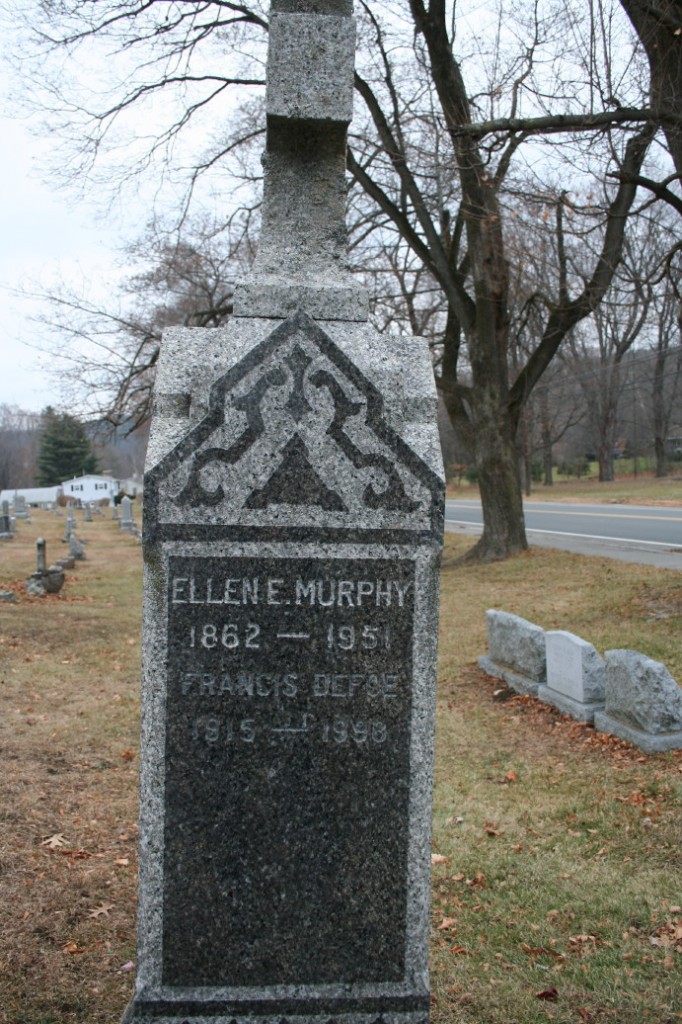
(288, 703)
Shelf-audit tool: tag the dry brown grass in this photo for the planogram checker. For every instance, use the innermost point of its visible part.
(68, 736)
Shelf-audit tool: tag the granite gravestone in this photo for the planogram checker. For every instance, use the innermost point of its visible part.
(576, 676)
(45, 580)
(127, 522)
(292, 532)
(70, 525)
(6, 532)
(20, 508)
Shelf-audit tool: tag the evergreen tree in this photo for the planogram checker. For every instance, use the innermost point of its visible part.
(65, 450)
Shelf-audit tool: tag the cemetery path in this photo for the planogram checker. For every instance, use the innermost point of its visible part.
(649, 535)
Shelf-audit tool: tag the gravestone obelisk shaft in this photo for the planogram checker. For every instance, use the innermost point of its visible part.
(301, 260)
(293, 514)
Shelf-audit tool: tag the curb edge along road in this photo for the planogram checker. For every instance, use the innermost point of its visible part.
(662, 558)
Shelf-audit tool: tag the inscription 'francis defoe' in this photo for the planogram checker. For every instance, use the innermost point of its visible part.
(288, 705)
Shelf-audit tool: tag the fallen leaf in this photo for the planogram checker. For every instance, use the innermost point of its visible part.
(55, 841)
(122, 862)
(446, 924)
(549, 994)
(438, 858)
(102, 909)
(73, 947)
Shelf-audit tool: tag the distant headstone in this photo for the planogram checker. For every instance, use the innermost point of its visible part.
(76, 548)
(41, 555)
(44, 580)
(643, 702)
(6, 531)
(576, 676)
(292, 532)
(34, 587)
(20, 509)
(127, 523)
(70, 525)
(87, 512)
(516, 652)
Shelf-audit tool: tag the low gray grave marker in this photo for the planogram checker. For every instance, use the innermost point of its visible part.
(516, 651)
(292, 532)
(76, 548)
(576, 676)
(643, 702)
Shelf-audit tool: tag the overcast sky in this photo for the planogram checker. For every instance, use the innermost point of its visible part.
(43, 238)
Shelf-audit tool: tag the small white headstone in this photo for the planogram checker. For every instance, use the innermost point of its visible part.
(576, 676)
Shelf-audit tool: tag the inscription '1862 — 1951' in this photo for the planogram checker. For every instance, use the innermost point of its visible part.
(288, 701)
(289, 638)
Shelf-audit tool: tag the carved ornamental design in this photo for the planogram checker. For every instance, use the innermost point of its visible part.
(295, 434)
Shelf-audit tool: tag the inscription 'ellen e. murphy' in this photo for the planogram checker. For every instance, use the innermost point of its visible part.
(288, 713)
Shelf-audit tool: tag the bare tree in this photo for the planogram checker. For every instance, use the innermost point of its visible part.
(184, 282)
(667, 351)
(658, 24)
(448, 119)
(19, 431)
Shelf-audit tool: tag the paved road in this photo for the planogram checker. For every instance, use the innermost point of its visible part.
(633, 533)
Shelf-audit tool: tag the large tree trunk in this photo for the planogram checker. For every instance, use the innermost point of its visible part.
(658, 23)
(605, 457)
(661, 460)
(660, 419)
(546, 438)
(504, 531)
(487, 429)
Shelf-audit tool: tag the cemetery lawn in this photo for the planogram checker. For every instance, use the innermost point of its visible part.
(644, 489)
(557, 854)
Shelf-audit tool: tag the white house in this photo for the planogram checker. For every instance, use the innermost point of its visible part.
(90, 488)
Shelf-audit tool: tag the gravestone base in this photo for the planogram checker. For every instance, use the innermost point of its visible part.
(521, 684)
(650, 743)
(577, 709)
(285, 1011)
